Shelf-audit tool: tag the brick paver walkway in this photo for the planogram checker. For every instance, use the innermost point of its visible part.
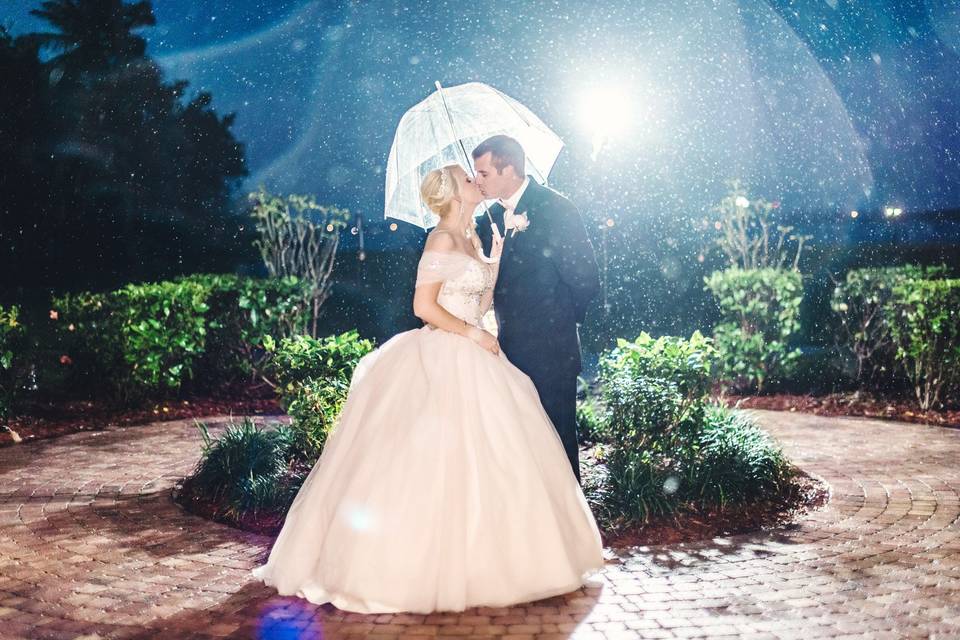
(91, 545)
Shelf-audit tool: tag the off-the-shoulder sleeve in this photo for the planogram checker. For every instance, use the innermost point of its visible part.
(438, 266)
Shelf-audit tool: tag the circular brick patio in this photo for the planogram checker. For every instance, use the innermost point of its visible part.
(92, 546)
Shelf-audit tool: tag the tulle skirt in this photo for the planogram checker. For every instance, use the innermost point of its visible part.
(443, 486)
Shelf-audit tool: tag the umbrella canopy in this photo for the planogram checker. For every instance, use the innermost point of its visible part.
(444, 128)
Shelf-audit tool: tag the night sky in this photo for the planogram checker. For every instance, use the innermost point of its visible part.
(825, 105)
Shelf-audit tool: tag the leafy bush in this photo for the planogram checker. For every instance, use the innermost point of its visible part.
(861, 302)
(314, 407)
(12, 334)
(248, 470)
(301, 357)
(760, 310)
(589, 421)
(647, 443)
(925, 328)
(738, 461)
(145, 339)
(245, 470)
(87, 338)
(689, 364)
(314, 378)
(149, 340)
(666, 448)
(243, 312)
(163, 334)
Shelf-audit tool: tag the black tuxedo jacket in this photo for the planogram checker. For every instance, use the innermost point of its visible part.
(548, 276)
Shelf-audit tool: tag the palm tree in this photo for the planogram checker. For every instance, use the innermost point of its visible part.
(94, 34)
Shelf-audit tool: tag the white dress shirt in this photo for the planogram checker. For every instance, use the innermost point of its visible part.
(510, 204)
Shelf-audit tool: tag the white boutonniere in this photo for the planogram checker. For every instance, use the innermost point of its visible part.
(520, 223)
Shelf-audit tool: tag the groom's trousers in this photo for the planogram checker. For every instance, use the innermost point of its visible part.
(558, 395)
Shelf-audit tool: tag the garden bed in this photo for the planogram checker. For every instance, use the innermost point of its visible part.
(852, 404)
(803, 495)
(55, 419)
(48, 420)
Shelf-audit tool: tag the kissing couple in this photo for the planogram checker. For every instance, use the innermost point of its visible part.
(452, 478)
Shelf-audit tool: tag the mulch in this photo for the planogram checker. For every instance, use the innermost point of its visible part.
(41, 421)
(265, 522)
(859, 404)
(50, 420)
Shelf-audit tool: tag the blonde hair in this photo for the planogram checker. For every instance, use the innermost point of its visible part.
(438, 189)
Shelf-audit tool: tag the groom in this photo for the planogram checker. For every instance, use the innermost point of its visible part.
(548, 275)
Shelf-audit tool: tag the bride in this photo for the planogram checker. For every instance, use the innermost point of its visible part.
(444, 485)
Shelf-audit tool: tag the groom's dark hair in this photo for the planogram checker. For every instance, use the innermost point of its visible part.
(504, 151)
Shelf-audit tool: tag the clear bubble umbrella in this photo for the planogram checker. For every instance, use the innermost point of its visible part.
(444, 128)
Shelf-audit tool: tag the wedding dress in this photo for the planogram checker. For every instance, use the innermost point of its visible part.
(443, 485)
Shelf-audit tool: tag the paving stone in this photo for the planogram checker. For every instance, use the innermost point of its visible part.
(92, 546)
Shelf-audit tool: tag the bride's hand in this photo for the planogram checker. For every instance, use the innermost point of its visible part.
(485, 339)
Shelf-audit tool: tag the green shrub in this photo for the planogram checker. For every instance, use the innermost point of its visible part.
(589, 421)
(314, 406)
(163, 332)
(648, 442)
(760, 310)
(653, 391)
(313, 380)
(87, 333)
(149, 340)
(738, 461)
(860, 303)
(665, 447)
(688, 364)
(301, 357)
(144, 339)
(243, 312)
(246, 469)
(925, 327)
(12, 342)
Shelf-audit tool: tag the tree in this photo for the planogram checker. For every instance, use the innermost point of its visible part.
(123, 176)
(299, 238)
(95, 34)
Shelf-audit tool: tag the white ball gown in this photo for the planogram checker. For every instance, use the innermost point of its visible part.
(443, 485)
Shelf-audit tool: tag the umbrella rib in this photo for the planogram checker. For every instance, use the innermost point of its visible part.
(453, 129)
(504, 98)
(540, 177)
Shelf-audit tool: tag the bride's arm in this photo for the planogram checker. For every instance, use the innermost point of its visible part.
(425, 305)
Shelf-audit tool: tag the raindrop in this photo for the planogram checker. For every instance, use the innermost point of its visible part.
(671, 484)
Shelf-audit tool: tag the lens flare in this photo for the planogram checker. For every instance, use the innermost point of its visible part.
(604, 112)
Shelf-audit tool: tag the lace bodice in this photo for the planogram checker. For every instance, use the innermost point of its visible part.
(467, 289)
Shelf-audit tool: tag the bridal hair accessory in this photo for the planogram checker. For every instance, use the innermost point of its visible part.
(443, 181)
